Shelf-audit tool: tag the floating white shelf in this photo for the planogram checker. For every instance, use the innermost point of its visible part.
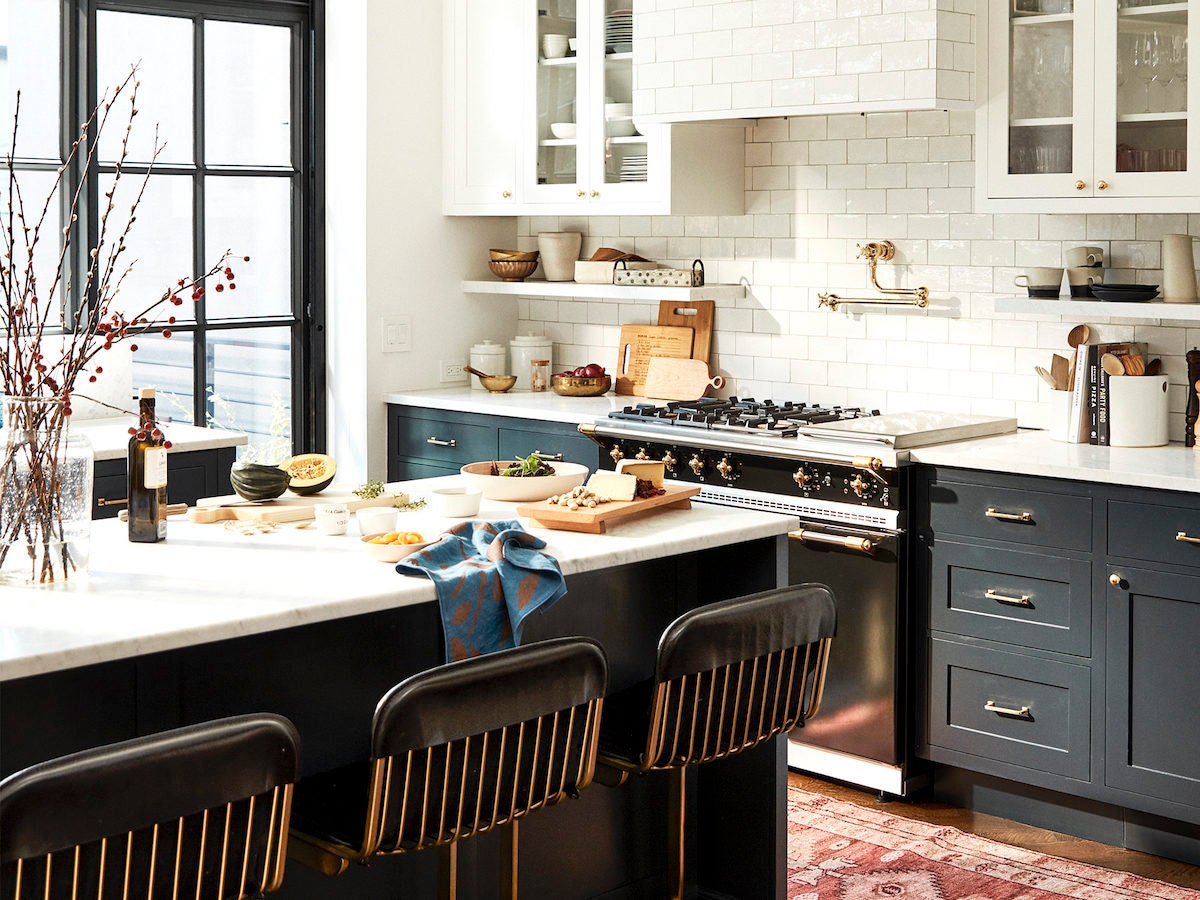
(539, 288)
(1065, 306)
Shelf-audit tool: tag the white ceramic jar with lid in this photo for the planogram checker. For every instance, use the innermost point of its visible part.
(488, 357)
(523, 350)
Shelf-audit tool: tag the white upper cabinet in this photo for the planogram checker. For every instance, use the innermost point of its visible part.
(540, 119)
(718, 59)
(1085, 104)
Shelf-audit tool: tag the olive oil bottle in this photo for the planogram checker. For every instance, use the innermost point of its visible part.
(147, 475)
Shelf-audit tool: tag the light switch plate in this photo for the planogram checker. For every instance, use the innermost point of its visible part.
(396, 333)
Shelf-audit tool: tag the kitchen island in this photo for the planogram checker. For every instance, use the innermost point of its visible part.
(215, 622)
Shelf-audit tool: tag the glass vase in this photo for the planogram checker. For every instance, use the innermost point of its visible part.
(45, 494)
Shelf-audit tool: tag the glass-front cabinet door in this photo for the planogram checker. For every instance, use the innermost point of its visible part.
(559, 100)
(1089, 99)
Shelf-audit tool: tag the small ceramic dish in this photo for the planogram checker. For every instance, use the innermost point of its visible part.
(376, 519)
(455, 502)
(390, 553)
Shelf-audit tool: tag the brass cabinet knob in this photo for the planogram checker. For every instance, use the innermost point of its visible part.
(1102, 185)
(1080, 185)
(506, 194)
(1115, 580)
(581, 193)
(595, 194)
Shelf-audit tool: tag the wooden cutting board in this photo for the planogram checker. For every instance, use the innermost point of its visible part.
(639, 343)
(679, 379)
(596, 519)
(694, 314)
(288, 508)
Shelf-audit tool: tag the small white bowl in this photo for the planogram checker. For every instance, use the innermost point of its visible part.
(376, 519)
(390, 553)
(618, 110)
(455, 502)
(620, 128)
(571, 44)
(507, 487)
(564, 131)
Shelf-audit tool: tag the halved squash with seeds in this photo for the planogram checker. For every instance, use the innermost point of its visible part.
(309, 473)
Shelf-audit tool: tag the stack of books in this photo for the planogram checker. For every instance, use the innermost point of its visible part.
(1089, 416)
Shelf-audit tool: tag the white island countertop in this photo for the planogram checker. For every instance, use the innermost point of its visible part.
(109, 437)
(542, 406)
(209, 583)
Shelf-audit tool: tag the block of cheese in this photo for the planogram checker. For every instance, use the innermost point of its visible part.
(652, 470)
(612, 485)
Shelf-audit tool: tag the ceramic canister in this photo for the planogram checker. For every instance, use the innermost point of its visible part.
(559, 250)
(489, 357)
(1179, 269)
(523, 350)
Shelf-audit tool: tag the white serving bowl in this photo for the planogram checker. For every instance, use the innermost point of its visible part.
(620, 127)
(455, 502)
(507, 487)
(563, 130)
(390, 553)
(618, 110)
(376, 519)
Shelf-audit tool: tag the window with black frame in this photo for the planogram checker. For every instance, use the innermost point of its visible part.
(225, 130)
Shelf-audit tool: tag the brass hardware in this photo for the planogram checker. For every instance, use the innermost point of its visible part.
(801, 477)
(725, 467)
(1009, 517)
(615, 454)
(1080, 185)
(104, 501)
(874, 251)
(439, 442)
(847, 542)
(595, 194)
(696, 464)
(643, 453)
(1115, 580)
(858, 485)
(1102, 185)
(555, 457)
(506, 194)
(1022, 713)
(1184, 536)
(1023, 600)
(581, 194)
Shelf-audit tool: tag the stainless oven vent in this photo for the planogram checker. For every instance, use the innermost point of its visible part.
(843, 513)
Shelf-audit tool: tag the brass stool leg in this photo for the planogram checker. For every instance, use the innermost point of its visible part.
(508, 861)
(448, 871)
(676, 799)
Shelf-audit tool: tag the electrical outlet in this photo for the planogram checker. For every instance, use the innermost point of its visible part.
(452, 371)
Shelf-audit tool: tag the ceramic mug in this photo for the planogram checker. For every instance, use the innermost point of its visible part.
(1042, 281)
(332, 518)
(1075, 257)
(1081, 279)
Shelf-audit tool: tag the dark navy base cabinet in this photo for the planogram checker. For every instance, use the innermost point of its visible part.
(190, 476)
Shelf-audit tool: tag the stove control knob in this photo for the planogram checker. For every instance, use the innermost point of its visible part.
(616, 454)
(861, 488)
(725, 467)
(643, 453)
(669, 461)
(802, 478)
(696, 464)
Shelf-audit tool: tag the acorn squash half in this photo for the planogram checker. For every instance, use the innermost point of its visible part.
(252, 481)
(309, 473)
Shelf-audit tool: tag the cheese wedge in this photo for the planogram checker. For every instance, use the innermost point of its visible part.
(612, 485)
(652, 470)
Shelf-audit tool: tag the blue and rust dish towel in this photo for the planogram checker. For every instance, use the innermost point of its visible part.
(489, 577)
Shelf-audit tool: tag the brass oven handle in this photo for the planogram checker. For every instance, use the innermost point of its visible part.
(1008, 517)
(846, 542)
(1023, 600)
(104, 501)
(438, 442)
(1184, 536)
(1022, 713)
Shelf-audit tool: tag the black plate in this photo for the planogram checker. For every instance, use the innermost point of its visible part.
(1125, 293)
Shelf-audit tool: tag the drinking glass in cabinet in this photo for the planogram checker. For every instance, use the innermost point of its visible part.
(1045, 7)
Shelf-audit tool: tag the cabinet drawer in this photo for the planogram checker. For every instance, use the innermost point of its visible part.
(1047, 727)
(568, 445)
(1027, 598)
(1150, 532)
(1039, 518)
(442, 442)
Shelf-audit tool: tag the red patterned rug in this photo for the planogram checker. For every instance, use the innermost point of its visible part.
(840, 851)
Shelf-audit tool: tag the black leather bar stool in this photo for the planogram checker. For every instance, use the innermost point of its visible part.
(728, 676)
(459, 750)
(198, 812)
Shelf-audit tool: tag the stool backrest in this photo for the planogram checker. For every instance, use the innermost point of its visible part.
(463, 748)
(197, 812)
(733, 674)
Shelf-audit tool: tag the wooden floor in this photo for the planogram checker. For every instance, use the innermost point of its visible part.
(1038, 839)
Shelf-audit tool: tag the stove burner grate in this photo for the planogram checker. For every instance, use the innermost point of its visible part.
(747, 414)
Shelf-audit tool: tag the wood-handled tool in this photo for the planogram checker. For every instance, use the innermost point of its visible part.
(173, 509)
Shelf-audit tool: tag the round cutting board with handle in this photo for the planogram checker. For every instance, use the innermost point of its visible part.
(679, 379)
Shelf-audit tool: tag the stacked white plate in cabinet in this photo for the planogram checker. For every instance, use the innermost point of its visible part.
(618, 31)
(633, 168)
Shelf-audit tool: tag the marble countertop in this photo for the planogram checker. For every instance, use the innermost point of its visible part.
(543, 406)
(208, 582)
(110, 437)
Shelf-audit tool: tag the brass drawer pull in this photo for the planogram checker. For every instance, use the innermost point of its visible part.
(556, 457)
(438, 442)
(1022, 713)
(1008, 517)
(1184, 536)
(104, 501)
(1023, 600)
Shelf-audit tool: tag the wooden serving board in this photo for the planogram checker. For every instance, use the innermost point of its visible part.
(694, 314)
(288, 508)
(594, 521)
(679, 379)
(641, 342)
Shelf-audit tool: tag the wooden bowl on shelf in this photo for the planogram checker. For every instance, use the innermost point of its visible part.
(513, 254)
(512, 269)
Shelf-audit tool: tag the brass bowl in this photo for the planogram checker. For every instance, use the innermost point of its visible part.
(497, 384)
(513, 254)
(512, 269)
(580, 386)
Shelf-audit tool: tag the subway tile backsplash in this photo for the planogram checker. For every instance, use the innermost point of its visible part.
(816, 187)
